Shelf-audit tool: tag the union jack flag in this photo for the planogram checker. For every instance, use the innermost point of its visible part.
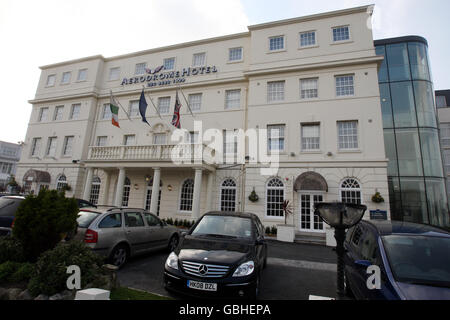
(176, 114)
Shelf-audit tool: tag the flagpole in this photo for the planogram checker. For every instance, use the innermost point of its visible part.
(187, 102)
(157, 111)
(118, 102)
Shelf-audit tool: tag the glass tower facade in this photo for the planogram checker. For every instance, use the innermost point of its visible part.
(417, 188)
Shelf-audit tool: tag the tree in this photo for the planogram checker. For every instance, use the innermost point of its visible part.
(42, 221)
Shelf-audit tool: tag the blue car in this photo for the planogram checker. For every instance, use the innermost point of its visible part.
(414, 261)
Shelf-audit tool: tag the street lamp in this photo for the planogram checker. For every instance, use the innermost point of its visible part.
(340, 216)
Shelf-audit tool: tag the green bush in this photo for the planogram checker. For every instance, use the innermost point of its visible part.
(176, 223)
(7, 269)
(273, 230)
(267, 230)
(23, 273)
(11, 250)
(50, 274)
(43, 221)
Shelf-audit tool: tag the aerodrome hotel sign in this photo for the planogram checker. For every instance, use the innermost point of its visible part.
(156, 78)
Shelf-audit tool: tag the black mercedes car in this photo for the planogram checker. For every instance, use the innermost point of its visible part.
(222, 255)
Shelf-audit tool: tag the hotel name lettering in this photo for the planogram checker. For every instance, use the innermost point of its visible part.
(155, 78)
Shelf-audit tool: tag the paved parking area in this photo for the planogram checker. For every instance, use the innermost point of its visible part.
(294, 271)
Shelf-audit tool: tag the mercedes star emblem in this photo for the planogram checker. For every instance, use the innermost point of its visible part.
(203, 269)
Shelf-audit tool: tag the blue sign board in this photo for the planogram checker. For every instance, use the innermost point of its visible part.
(378, 215)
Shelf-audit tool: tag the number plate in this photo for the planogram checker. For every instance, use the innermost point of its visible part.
(202, 286)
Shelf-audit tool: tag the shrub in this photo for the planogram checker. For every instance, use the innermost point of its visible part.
(42, 221)
(170, 221)
(176, 223)
(23, 273)
(267, 230)
(11, 250)
(185, 223)
(7, 269)
(273, 230)
(50, 274)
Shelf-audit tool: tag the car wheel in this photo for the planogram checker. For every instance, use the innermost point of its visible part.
(173, 243)
(119, 256)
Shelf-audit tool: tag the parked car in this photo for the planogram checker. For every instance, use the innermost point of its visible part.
(119, 234)
(223, 255)
(8, 208)
(414, 261)
(85, 204)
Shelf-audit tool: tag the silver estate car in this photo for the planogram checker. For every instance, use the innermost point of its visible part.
(120, 233)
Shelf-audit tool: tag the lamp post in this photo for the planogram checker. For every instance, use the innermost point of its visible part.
(340, 216)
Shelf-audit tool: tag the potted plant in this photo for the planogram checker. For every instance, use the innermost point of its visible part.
(286, 232)
(377, 198)
(253, 197)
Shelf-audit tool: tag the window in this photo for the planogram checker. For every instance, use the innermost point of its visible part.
(148, 199)
(129, 140)
(445, 135)
(275, 137)
(164, 105)
(309, 88)
(446, 156)
(58, 113)
(6, 167)
(310, 137)
(187, 194)
(152, 221)
(134, 108)
(106, 113)
(169, 64)
(350, 191)
(82, 75)
(228, 196)
(230, 146)
(345, 86)
(348, 135)
(199, 59)
(114, 74)
(275, 198)
(101, 141)
(51, 147)
(66, 77)
(195, 101)
(51, 79)
(341, 33)
(441, 102)
(275, 91)
(35, 146)
(95, 190)
(140, 68)
(235, 54)
(111, 221)
(61, 182)
(276, 43)
(68, 144)
(232, 99)
(159, 138)
(126, 192)
(133, 220)
(192, 137)
(75, 112)
(307, 39)
(43, 114)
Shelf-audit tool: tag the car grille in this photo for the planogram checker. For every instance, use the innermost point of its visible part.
(204, 270)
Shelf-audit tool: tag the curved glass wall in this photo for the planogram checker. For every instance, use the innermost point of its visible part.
(417, 188)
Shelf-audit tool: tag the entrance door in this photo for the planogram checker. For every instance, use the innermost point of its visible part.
(309, 221)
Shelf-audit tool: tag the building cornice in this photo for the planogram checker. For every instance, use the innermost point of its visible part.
(64, 97)
(311, 66)
(63, 63)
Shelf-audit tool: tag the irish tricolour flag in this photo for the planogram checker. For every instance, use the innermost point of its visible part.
(114, 106)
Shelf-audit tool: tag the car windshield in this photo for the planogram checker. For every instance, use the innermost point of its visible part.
(421, 260)
(8, 206)
(85, 218)
(224, 226)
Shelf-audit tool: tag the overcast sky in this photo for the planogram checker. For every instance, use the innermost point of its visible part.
(34, 33)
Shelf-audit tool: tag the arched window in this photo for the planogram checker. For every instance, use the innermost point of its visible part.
(187, 194)
(228, 196)
(275, 198)
(61, 182)
(350, 191)
(126, 192)
(148, 198)
(95, 190)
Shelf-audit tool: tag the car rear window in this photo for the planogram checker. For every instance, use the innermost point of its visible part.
(85, 218)
(8, 206)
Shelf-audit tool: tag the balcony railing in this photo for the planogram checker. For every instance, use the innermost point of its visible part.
(170, 153)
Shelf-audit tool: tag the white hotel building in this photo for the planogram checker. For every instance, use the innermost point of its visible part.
(311, 82)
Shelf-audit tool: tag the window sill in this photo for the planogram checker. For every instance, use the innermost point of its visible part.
(311, 152)
(333, 43)
(350, 151)
(308, 47)
(235, 61)
(276, 51)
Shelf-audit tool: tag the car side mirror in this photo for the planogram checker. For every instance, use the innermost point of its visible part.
(184, 233)
(363, 263)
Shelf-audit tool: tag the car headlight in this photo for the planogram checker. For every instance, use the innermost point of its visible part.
(172, 261)
(244, 269)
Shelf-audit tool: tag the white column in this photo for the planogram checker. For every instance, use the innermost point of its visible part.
(155, 190)
(119, 189)
(88, 184)
(197, 193)
(106, 187)
(209, 193)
